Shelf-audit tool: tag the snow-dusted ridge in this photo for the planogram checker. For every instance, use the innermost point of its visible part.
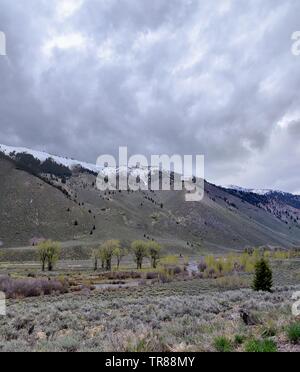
(43, 156)
(255, 191)
(71, 163)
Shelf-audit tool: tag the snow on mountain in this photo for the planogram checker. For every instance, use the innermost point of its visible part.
(43, 156)
(142, 172)
(253, 191)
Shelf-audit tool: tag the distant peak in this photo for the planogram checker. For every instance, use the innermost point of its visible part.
(254, 191)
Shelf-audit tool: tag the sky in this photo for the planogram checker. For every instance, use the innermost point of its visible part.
(187, 77)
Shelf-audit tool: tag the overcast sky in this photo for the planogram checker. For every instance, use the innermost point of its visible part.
(82, 77)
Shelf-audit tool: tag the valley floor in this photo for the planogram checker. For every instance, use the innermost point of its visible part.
(192, 315)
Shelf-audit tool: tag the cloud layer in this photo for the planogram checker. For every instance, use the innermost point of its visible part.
(83, 77)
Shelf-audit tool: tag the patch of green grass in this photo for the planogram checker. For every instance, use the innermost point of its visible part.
(223, 345)
(261, 346)
(239, 340)
(293, 333)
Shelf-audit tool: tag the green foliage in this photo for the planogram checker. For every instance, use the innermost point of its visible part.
(169, 260)
(293, 333)
(154, 250)
(95, 258)
(210, 261)
(107, 251)
(269, 331)
(119, 253)
(263, 280)
(239, 340)
(223, 345)
(49, 253)
(260, 346)
(140, 251)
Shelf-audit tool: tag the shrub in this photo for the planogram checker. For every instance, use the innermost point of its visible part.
(165, 276)
(152, 276)
(293, 333)
(177, 270)
(202, 266)
(239, 340)
(210, 261)
(223, 345)
(22, 288)
(269, 332)
(261, 346)
(232, 282)
(169, 260)
(263, 277)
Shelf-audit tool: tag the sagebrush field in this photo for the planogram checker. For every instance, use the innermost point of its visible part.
(162, 310)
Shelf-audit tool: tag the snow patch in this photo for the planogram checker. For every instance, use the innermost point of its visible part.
(254, 191)
(43, 156)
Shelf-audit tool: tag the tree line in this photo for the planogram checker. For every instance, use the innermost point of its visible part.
(49, 253)
(139, 249)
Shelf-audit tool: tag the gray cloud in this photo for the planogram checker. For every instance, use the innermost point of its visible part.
(85, 76)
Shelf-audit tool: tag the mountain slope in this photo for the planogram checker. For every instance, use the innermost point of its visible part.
(284, 206)
(47, 205)
(31, 208)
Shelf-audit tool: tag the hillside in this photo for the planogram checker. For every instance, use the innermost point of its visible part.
(33, 209)
(54, 199)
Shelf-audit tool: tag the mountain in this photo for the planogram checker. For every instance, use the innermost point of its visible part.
(284, 206)
(43, 156)
(253, 191)
(45, 196)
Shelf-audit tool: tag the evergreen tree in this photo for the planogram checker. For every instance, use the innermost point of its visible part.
(263, 279)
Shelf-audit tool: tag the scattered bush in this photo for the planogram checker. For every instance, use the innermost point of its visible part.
(239, 340)
(223, 345)
(152, 276)
(261, 346)
(232, 282)
(269, 332)
(202, 267)
(293, 333)
(22, 288)
(177, 270)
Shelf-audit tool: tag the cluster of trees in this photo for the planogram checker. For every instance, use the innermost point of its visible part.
(34, 166)
(139, 249)
(49, 253)
(106, 253)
